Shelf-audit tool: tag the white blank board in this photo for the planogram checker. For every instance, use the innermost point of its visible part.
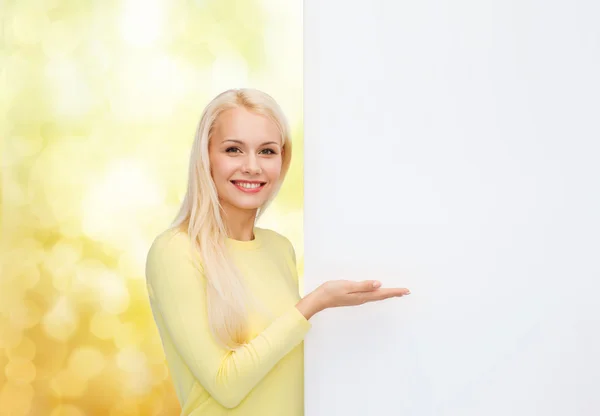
(452, 147)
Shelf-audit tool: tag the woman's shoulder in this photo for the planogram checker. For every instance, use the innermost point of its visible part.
(276, 239)
(170, 236)
(169, 241)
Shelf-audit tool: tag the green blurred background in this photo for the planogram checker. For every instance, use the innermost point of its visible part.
(99, 101)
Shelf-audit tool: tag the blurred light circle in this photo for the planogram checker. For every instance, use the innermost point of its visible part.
(28, 26)
(126, 188)
(86, 281)
(61, 38)
(142, 22)
(104, 325)
(155, 403)
(67, 410)
(124, 408)
(154, 348)
(139, 384)
(30, 276)
(229, 69)
(10, 336)
(20, 150)
(131, 360)
(15, 66)
(59, 175)
(86, 362)
(114, 295)
(15, 399)
(61, 261)
(128, 335)
(10, 297)
(26, 314)
(160, 372)
(68, 83)
(25, 350)
(20, 371)
(66, 384)
(50, 356)
(61, 321)
(132, 263)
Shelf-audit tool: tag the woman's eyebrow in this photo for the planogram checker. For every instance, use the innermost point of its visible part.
(241, 142)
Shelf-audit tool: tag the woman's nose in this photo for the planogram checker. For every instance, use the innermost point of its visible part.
(252, 166)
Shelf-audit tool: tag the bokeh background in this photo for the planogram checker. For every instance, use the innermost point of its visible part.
(99, 101)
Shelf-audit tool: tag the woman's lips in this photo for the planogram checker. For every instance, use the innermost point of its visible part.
(250, 190)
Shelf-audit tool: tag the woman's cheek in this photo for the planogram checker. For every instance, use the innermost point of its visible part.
(274, 168)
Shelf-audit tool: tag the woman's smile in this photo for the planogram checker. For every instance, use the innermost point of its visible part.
(251, 187)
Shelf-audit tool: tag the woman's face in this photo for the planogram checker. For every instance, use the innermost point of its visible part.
(246, 155)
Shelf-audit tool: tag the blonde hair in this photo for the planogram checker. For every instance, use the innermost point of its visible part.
(200, 216)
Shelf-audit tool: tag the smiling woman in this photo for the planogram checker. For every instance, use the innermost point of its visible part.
(224, 293)
(205, 274)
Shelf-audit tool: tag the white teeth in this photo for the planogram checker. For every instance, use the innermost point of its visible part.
(248, 185)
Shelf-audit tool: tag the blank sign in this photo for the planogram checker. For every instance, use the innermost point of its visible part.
(454, 148)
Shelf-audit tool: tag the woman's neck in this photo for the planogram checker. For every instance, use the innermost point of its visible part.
(240, 224)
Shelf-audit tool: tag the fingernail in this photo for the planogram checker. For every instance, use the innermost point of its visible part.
(376, 284)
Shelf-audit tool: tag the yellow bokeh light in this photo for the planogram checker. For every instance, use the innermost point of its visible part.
(160, 372)
(142, 21)
(107, 288)
(25, 314)
(230, 69)
(112, 202)
(67, 410)
(127, 335)
(25, 350)
(61, 38)
(68, 84)
(28, 26)
(15, 399)
(66, 384)
(98, 107)
(62, 260)
(86, 362)
(137, 377)
(62, 320)
(104, 325)
(124, 408)
(50, 357)
(131, 360)
(20, 370)
(10, 337)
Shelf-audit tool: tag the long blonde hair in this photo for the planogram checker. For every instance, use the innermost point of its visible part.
(200, 216)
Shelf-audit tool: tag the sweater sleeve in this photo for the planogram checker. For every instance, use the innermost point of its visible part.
(293, 264)
(176, 288)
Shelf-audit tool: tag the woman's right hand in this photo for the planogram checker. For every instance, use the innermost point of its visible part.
(335, 293)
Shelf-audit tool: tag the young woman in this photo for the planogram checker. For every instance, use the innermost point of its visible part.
(224, 293)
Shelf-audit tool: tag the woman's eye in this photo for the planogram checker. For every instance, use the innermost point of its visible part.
(236, 150)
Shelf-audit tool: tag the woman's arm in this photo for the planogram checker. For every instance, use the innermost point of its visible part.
(177, 291)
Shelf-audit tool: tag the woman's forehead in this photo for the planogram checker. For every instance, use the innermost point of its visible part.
(246, 127)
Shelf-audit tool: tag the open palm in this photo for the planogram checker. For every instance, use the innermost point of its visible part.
(349, 293)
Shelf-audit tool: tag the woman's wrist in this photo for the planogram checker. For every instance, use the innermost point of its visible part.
(310, 305)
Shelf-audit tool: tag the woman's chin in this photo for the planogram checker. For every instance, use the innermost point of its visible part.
(247, 204)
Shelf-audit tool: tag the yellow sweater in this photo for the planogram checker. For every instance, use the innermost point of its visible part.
(264, 377)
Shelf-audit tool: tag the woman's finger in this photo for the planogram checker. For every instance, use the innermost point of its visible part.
(381, 294)
(365, 286)
(391, 292)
